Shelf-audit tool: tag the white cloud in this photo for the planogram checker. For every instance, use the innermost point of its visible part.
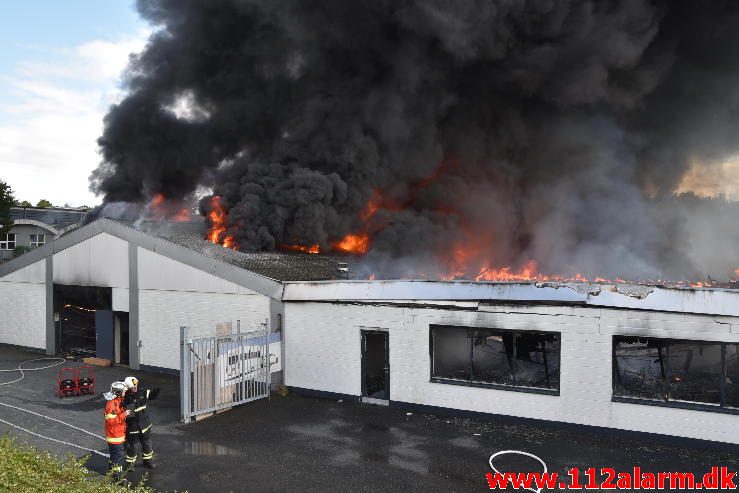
(53, 114)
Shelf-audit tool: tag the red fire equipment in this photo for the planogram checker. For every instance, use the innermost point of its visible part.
(72, 382)
(67, 383)
(86, 384)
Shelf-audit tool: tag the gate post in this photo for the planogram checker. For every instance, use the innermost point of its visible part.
(185, 374)
(268, 331)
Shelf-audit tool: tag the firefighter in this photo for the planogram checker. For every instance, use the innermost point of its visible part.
(115, 427)
(138, 424)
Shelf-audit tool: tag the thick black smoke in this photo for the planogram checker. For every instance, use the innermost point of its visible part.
(486, 131)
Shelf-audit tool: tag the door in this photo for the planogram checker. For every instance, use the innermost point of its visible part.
(104, 335)
(375, 366)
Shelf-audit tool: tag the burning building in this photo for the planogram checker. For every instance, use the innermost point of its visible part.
(619, 356)
(462, 207)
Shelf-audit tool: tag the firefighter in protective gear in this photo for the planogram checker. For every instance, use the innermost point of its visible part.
(115, 427)
(138, 424)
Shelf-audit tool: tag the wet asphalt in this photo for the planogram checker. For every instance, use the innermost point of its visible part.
(306, 444)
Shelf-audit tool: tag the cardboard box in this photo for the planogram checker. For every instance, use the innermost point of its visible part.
(97, 361)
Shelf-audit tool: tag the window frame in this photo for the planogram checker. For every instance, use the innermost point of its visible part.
(495, 386)
(666, 402)
(4, 243)
(36, 244)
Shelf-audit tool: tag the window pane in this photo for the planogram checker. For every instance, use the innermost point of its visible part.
(537, 360)
(695, 372)
(451, 353)
(640, 366)
(492, 353)
(732, 375)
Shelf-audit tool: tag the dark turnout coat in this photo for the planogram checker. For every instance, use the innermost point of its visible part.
(138, 403)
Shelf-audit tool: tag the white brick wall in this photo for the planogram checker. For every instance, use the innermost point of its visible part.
(23, 306)
(172, 294)
(322, 352)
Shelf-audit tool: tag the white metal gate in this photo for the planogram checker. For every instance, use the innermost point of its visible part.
(223, 371)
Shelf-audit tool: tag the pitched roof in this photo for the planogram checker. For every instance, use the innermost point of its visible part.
(281, 266)
(259, 271)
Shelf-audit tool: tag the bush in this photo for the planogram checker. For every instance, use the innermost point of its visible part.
(25, 469)
(20, 250)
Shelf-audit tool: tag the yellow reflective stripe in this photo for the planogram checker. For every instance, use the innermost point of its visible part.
(115, 440)
(147, 428)
(132, 432)
(140, 408)
(110, 416)
(148, 457)
(147, 393)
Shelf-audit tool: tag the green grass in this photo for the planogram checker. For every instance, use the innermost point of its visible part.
(26, 469)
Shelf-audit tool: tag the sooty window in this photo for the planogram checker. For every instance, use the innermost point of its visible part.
(676, 372)
(506, 359)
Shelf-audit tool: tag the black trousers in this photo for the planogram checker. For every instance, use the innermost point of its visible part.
(115, 463)
(132, 445)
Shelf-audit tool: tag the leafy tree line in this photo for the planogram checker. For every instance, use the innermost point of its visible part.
(8, 200)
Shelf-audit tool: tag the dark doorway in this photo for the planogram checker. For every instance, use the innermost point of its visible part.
(75, 309)
(122, 334)
(375, 366)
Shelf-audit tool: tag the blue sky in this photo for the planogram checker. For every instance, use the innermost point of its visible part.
(60, 63)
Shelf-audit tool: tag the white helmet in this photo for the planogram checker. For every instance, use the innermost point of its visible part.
(131, 382)
(117, 389)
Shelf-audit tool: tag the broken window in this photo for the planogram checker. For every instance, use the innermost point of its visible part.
(453, 361)
(731, 385)
(695, 372)
(680, 371)
(640, 367)
(537, 360)
(492, 357)
(496, 357)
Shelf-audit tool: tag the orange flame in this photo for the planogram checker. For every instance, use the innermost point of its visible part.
(353, 243)
(182, 216)
(219, 224)
(161, 210)
(312, 249)
(157, 201)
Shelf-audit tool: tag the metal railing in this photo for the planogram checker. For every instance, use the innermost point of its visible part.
(223, 371)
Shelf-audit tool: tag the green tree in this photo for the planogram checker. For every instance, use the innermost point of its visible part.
(44, 203)
(6, 202)
(25, 203)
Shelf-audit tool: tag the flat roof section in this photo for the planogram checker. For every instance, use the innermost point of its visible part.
(631, 296)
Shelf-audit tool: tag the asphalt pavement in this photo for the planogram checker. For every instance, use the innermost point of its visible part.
(306, 444)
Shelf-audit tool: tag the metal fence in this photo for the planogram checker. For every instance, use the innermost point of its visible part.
(223, 371)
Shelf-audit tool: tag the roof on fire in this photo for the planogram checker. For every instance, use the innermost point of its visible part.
(260, 271)
(303, 277)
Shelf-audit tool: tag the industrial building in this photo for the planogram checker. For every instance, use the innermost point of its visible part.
(620, 356)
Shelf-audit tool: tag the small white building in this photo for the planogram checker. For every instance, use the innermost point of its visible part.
(627, 357)
(636, 358)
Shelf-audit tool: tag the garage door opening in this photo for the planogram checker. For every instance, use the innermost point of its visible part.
(84, 321)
